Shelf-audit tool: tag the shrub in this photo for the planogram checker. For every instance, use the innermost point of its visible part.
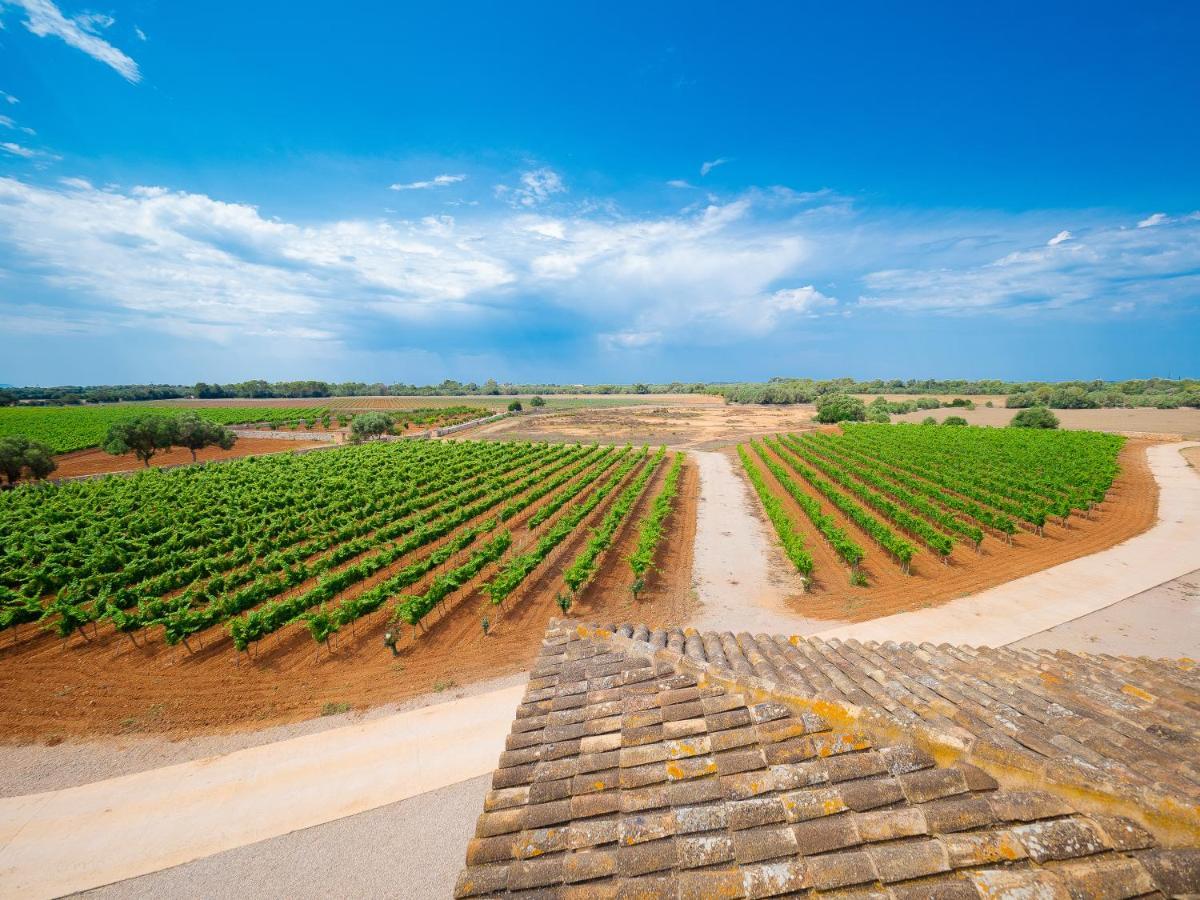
(954, 420)
(537, 401)
(928, 403)
(515, 406)
(929, 420)
(1034, 417)
(840, 408)
(878, 415)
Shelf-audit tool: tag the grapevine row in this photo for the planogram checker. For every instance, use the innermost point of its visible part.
(789, 537)
(652, 528)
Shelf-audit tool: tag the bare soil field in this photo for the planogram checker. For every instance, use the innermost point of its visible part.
(1165, 424)
(50, 692)
(977, 399)
(95, 461)
(499, 401)
(692, 425)
(1130, 508)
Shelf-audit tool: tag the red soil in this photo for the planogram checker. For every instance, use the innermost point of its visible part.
(95, 461)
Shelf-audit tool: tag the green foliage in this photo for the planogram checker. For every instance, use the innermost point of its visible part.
(652, 528)
(196, 433)
(585, 564)
(370, 425)
(841, 542)
(143, 435)
(879, 416)
(197, 546)
(881, 533)
(789, 537)
(537, 400)
(840, 408)
(954, 420)
(929, 420)
(1034, 417)
(515, 406)
(67, 428)
(514, 572)
(20, 456)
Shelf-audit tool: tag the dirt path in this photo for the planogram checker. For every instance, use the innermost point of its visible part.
(741, 578)
(1043, 600)
(194, 809)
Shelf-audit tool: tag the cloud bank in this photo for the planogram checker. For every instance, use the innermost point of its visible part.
(762, 263)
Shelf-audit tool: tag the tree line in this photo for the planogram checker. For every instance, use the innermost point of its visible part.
(1152, 392)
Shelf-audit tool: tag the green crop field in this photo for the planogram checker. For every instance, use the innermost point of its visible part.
(317, 540)
(67, 428)
(905, 490)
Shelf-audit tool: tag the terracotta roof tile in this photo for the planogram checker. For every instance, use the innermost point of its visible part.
(693, 765)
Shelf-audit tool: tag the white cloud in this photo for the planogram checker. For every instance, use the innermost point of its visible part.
(44, 19)
(1151, 221)
(6, 96)
(94, 23)
(436, 181)
(678, 183)
(707, 167)
(1108, 267)
(140, 34)
(807, 301)
(537, 186)
(708, 276)
(17, 150)
(1063, 235)
(9, 122)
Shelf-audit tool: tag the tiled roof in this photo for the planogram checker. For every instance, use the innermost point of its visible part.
(668, 764)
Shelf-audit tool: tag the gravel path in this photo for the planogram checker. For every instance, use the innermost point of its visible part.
(741, 579)
(1163, 621)
(130, 826)
(387, 852)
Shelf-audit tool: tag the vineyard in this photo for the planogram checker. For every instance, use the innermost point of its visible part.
(878, 503)
(380, 536)
(68, 428)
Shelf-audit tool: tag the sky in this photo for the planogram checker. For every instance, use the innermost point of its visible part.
(597, 192)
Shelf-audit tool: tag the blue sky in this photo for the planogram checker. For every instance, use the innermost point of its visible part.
(587, 192)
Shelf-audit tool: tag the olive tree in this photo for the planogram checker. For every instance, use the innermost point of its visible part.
(19, 454)
(143, 435)
(370, 425)
(537, 401)
(515, 406)
(196, 433)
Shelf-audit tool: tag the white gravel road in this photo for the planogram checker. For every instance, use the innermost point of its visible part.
(412, 850)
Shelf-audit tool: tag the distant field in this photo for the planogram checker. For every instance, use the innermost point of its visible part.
(67, 428)
(1185, 422)
(553, 401)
